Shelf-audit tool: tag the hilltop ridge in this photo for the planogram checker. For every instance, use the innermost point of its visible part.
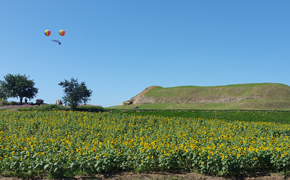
(237, 96)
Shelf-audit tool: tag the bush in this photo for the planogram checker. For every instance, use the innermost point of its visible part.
(15, 107)
(6, 103)
(26, 108)
(49, 107)
(43, 108)
(12, 103)
(90, 108)
(3, 103)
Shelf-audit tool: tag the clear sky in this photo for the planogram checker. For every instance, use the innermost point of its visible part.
(120, 47)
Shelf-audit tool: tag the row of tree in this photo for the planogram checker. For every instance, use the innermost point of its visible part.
(19, 86)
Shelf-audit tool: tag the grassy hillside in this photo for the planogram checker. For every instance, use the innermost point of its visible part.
(265, 96)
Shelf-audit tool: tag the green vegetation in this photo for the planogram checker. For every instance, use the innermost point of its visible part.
(3, 96)
(59, 144)
(3, 102)
(18, 86)
(43, 108)
(231, 90)
(75, 93)
(257, 96)
(249, 116)
(49, 107)
(242, 105)
(90, 108)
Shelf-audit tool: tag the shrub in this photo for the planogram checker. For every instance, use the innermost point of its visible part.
(90, 108)
(12, 103)
(43, 108)
(3, 103)
(15, 107)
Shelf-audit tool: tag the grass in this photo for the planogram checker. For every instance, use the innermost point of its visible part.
(270, 96)
(252, 104)
(233, 90)
(90, 108)
(228, 115)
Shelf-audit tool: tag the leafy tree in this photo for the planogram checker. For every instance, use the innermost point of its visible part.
(18, 86)
(75, 93)
(3, 95)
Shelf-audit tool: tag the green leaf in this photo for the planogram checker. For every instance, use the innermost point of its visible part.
(71, 165)
(96, 165)
(35, 166)
(46, 166)
(55, 169)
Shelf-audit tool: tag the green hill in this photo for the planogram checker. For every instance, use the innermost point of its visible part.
(262, 96)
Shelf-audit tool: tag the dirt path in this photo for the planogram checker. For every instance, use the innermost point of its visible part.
(162, 176)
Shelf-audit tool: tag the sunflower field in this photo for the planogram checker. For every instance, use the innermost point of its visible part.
(65, 142)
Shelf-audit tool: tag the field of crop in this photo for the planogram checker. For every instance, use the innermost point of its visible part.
(65, 143)
(228, 115)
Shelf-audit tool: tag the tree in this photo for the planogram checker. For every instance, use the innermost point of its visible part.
(18, 86)
(3, 95)
(75, 93)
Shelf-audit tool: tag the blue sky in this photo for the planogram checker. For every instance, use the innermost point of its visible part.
(120, 47)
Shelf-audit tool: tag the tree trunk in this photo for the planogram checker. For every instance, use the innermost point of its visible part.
(21, 100)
